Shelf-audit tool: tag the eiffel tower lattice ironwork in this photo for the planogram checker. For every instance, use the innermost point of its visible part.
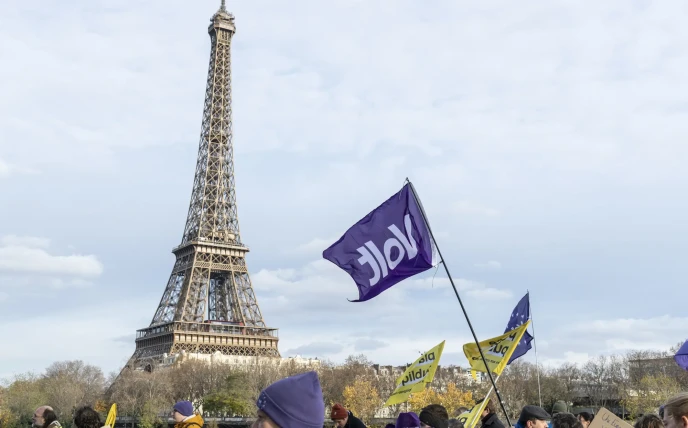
(209, 304)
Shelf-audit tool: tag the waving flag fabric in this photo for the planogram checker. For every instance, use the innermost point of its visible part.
(385, 247)
(497, 351)
(681, 356)
(519, 316)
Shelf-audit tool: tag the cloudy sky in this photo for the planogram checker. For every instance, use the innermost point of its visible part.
(546, 140)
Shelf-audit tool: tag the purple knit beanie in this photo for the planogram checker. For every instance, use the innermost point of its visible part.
(185, 408)
(408, 420)
(294, 402)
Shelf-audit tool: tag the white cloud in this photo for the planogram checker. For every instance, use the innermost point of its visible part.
(314, 246)
(16, 258)
(579, 341)
(491, 265)
(26, 264)
(350, 89)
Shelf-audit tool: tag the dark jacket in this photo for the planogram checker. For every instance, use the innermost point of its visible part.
(492, 421)
(354, 422)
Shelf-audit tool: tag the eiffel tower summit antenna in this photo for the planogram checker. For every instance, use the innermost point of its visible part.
(209, 306)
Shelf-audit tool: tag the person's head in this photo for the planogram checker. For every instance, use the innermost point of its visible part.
(49, 416)
(407, 420)
(559, 407)
(461, 410)
(182, 410)
(339, 415)
(649, 421)
(455, 423)
(292, 402)
(489, 408)
(565, 420)
(86, 417)
(434, 416)
(585, 418)
(533, 417)
(390, 426)
(676, 411)
(39, 416)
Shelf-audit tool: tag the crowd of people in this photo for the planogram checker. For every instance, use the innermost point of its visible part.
(297, 402)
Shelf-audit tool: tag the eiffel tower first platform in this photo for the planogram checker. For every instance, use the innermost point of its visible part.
(209, 305)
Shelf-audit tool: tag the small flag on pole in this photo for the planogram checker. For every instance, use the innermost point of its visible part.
(390, 244)
(416, 376)
(497, 351)
(519, 316)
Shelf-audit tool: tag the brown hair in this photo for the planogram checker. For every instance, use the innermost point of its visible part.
(490, 407)
(565, 420)
(677, 406)
(649, 421)
(49, 417)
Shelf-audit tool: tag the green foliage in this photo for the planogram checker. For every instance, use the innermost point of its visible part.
(226, 402)
(9, 419)
(650, 393)
(149, 417)
(21, 398)
(231, 398)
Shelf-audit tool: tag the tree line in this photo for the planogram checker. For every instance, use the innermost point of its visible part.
(634, 383)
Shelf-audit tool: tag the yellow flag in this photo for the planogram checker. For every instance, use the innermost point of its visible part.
(470, 418)
(112, 415)
(417, 375)
(497, 350)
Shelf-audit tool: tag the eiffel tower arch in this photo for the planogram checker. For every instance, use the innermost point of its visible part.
(209, 306)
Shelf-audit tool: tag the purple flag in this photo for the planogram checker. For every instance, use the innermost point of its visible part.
(388, 245)
(681, 356)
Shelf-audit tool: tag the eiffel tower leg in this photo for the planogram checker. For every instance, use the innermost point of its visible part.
(196, 295)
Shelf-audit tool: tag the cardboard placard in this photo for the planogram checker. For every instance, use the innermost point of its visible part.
(606, 419)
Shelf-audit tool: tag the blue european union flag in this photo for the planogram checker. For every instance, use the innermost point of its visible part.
(519, 316)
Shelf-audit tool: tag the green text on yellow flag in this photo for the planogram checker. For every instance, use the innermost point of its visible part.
(417, 375)
(497, 351)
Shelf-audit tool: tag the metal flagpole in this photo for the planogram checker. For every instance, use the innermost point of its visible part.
(451, 281)
(537, 365)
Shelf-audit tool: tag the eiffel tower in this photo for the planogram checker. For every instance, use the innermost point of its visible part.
(209, 304)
